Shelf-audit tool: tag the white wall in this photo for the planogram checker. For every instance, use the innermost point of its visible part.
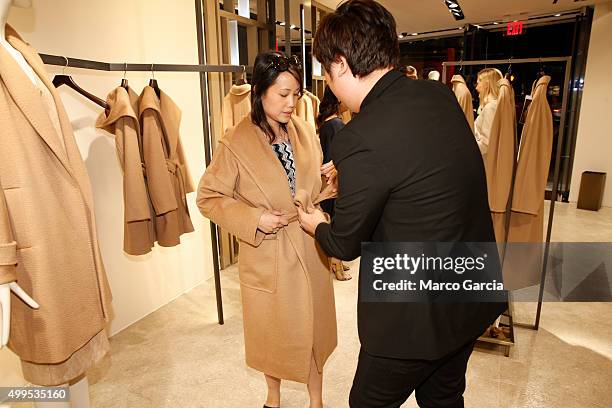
(139, 31)
(594, 140)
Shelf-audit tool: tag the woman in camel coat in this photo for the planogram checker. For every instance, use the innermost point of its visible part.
(262, 169)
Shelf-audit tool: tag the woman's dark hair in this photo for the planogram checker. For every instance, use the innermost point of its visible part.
(363, 32)
(330, 105)
(268, 66)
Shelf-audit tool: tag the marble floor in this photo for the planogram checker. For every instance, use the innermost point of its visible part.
(180, 357)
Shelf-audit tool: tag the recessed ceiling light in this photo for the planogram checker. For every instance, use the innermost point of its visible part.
(292, 26)
(415, 33)
(282, 23)
(558, 15)
(495, 22)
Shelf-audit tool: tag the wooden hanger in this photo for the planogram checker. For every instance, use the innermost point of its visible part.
(67, 80)
(153, 82)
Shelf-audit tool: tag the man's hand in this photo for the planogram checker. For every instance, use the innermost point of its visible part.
(310, 221)
(328, 170)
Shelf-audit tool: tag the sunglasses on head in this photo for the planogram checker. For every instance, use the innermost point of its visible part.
(281, 63)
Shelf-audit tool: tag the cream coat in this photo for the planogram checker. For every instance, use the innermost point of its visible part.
(121, 120)
(464, 97)
(47, 227)
(286, 285)
(499, 161)
(522, 266)
(526, 223)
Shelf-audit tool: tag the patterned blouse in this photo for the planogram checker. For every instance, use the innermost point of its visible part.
(284, 152)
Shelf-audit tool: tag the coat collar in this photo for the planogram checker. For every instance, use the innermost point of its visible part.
(240, 89)
(458, 79)
(168, 111)
(27, 97)
(380, 87)
(540, 85)
(122, 103)
(250, 146)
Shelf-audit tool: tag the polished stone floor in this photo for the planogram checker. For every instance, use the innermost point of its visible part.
(180, 357)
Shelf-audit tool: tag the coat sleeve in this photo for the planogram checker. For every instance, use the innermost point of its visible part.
(8, 246)
(362, 195)
(217, 200)
(158, 179)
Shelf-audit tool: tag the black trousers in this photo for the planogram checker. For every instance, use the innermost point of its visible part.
(382, 382)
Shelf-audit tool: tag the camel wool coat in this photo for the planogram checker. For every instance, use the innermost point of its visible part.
(48, 241)
(527, 215)
(499, 161)
(286, 285)
(464, 97)
(167, 174)
(122, 120)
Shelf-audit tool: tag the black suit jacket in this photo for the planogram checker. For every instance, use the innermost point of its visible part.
(410, 171)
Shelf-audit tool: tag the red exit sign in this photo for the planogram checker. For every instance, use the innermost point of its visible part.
(515, 28)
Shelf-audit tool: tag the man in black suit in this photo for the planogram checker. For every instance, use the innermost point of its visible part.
(409, 170)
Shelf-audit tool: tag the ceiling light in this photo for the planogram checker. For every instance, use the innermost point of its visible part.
(282, 23)
(558, 15)
(495, 22)
(455, 9)
(292, 26)
(415, 33)
(400, 36)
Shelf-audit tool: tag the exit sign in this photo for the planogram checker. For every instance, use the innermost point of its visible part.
(515, 28)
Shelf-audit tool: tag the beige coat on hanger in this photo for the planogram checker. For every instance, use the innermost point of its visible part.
(49, 213)
(160, 171)
(499, 161)
(304, 110)
(286, 285)
(464, 97)
(121, 120)
(236, 105)
(527, 216)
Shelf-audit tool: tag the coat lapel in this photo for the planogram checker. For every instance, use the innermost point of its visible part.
(250, 146)
(27, 97)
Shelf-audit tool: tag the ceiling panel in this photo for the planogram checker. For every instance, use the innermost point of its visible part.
(429, 15)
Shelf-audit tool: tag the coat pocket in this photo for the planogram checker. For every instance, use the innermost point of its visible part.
(20, 221)
(258, 266)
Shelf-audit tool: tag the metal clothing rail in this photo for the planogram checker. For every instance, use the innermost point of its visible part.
(201, 68)
(562, 131)
(107, 66)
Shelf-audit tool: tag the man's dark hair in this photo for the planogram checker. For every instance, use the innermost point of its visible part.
(363, 32)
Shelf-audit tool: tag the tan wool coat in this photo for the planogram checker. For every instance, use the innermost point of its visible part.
(48, 239)
(287, 289)
(167, 175)
(499, 161)
(464, 97)
(527, 215)
(122, 120)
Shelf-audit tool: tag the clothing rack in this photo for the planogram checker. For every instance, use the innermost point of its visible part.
(202, 68)
(559, 145)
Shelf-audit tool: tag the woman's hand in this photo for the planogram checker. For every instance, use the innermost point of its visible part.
(271, 221)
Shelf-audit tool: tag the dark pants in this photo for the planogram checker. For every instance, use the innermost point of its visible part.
(388, 382)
